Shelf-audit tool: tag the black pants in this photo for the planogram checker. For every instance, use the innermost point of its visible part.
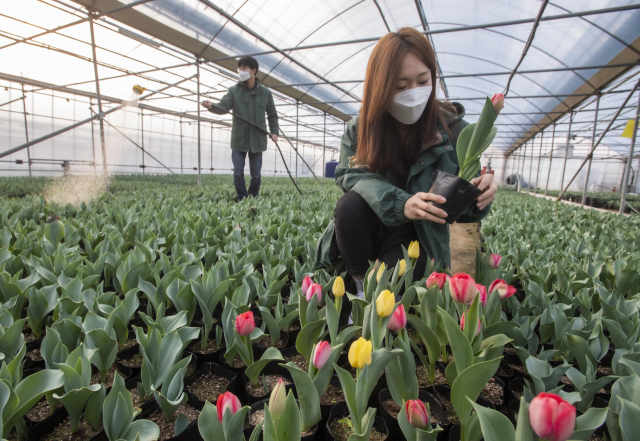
(255, 166)
(362, 237)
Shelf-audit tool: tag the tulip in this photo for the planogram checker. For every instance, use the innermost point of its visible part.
(402, 268)
(417, 414)
(306, 283)
(380, 271)
(494, 260)
(245, 324)
(360, 353)
(338, 287)
(482, 292)
(551, 417)
(398, 319)
(376, 265)
(498, 102)
(226, 401)
(438, 279)
(320, 355)
(414, 249)
(278, 400)
(462, 324)
(315, 289)
(463, 288)
(503, 289)
(385, 302)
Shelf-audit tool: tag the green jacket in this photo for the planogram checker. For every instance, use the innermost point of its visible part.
(381, 192)
(250, 105)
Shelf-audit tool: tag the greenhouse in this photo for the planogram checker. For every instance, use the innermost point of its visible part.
(243, 220)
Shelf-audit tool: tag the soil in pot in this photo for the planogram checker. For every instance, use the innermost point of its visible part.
(35, 354)
(332, 396)
(128, 344)
(167, 428)
(493, 392)
(298, 360)
(423, 377)
(210, 348)
(96, 378)
(265, 342)
(41, 410)
(342, 429)
(134, 362)
(62, 432)
(208, 387)
(271, 382)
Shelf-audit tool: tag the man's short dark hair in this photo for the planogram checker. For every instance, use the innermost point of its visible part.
(249, 62)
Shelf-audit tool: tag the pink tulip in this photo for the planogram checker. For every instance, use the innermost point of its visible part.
(494, 260)
(462, 324)
(226, 401)
(398, 319)
(482, 292)
(551, 417)
(306, 283)
(463, 288)
(498, 102)
(245, 324)
(438, 279)
(320, 354)
(315, 289)
(504, 290)
(417, 414)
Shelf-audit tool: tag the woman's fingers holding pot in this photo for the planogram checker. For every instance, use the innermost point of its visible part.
(489, 189)
(431, 197)
(416, 208)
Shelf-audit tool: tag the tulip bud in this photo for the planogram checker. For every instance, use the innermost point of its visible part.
(315, 289)
(482, 292)
(398, 319)
(360, 353)
(437, 279)
(414, 249)
(494, 260)
(417, 414)
(306, 283)
(376, 265)
(462, 320)
(278, 400)
(503, 289)
(380, 271)
(226, 401)
(320, 354)
(338, 287)
(402, 267)
(385, 302)
(245, 324)
(551, 417)
(498, 102)
(463, 288)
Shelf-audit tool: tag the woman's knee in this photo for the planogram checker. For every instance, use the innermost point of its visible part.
(351, 205)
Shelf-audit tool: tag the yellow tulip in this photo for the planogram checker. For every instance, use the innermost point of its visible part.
(360, 353)
(385, 302)
(402, 268)
(380, 271)
(338, 287)
(414, 249)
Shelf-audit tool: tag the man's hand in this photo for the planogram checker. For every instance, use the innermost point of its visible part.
(417, 208)
(489, 187)
(274, 137)
(207, 104)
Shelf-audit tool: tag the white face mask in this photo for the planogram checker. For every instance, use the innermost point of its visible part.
(244, 75)
(408, 105)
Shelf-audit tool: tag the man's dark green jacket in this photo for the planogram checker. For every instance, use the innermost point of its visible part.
(250, 105)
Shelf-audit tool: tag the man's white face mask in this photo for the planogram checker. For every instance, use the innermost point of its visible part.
(408, 105)
(244, 75)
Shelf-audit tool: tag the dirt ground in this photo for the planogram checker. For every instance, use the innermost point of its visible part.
(464, 241)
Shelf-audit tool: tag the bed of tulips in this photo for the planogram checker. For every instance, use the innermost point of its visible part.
(170, 312)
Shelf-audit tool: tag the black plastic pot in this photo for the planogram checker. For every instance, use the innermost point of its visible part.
(514, 360)
(126, 354)
(443, 393)
(341, 410)
(272, 368)
(259, 405)
(506, 372)
(459, 194)
(515, 386)
(218, 371)
(40, 429)
(395, 433)
(257, 353)
(192, 364)
(211, 357)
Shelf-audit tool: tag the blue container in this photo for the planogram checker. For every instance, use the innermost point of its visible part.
(330, 169)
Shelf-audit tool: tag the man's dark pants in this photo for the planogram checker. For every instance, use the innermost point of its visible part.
(255, 165)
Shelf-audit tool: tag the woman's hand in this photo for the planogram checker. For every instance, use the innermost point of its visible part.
(417, 208)
(489, 187)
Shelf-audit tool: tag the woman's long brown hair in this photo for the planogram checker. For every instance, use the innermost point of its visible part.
(379, 143)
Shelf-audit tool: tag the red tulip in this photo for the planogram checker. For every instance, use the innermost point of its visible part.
(482, 292)
(417, 414)
(306, 283)
(504, 290)
(463, 288)
(438, 279)
(314, 289)
(494, 260)
(226, 401)
(398, 319)
(462, 324)
(498, 102)
(551, 417)
(320, 355)
(245, 324)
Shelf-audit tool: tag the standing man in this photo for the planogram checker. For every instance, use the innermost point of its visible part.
(248, 99)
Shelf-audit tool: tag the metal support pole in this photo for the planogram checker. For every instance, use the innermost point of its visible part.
(93, 138)
(627, 170)
(198, 105)
(297, 122)
(211, 160)
(26, 126)
(324, 146)
(539, 162)
(566, 151)
(553, 140)
(521, 167)
(593, 140)
(100, 114)
(531, 164)
(142, 143)
(181, 164)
